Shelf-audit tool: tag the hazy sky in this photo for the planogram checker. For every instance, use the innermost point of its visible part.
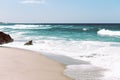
(60, 11)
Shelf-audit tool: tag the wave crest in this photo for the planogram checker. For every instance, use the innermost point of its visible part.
(105, 32)
(26, 27)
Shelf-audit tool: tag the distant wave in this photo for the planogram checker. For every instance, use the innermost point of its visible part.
(26, 27)
(108, 32)
(31, 27)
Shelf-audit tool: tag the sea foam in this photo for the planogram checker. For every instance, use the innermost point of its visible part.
(103, 57)
(108, 32)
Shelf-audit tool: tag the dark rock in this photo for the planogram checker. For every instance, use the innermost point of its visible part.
(5, 38)
(29, 43)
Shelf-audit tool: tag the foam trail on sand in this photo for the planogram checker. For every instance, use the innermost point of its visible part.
(101, 55)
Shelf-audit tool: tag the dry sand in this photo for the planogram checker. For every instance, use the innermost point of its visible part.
(16, 64)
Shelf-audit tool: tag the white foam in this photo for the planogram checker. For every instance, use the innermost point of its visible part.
(100, 54)
(31, 27)
(84, 72)
(26, 27)
(85, 29)
(108, 32)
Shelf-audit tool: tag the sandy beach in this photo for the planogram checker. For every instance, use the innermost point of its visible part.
(17, 64)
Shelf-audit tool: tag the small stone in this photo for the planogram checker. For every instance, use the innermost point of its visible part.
(29, 43)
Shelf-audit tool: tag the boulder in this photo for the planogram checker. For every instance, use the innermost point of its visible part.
(5, 38)
(29, 43)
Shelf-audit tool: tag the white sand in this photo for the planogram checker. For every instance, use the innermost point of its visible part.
(16, 64)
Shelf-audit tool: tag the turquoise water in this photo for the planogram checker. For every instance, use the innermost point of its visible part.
(68, 32)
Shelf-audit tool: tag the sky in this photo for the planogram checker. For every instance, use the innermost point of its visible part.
(60, 11)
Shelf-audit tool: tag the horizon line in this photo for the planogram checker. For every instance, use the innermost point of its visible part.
(50, 23)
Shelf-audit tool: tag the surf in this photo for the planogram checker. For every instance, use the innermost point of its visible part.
(105, 32)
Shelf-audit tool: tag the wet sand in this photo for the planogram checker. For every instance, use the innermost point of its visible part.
(17, 64)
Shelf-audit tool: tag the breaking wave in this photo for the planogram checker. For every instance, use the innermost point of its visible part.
(105, 32)
(26, 27)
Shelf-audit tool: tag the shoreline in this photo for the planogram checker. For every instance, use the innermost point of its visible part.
(20, 64)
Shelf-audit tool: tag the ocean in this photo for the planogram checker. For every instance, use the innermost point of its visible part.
(90, 51)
